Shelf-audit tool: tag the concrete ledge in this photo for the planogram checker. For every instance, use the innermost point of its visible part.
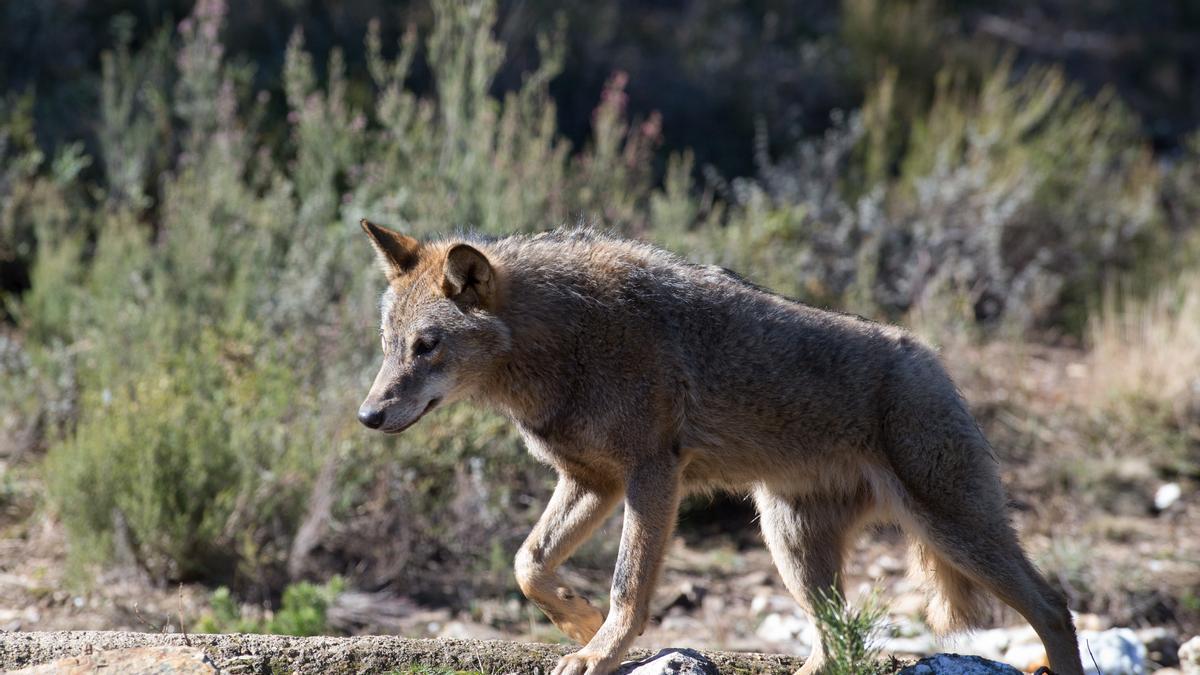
(341, 655)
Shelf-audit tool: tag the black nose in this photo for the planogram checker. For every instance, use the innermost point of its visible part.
(372, 419)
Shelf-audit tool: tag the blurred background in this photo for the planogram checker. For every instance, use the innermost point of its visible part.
(188, 310)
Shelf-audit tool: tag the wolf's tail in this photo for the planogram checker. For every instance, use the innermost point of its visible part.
(956, 602)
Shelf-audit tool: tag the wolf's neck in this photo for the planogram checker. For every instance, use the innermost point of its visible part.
(548, 318)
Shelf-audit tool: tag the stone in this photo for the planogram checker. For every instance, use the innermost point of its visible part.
(957, 664)
(1116, 651)
(135, 661)
(1166, 495)
(1189, 656)
(784, 628)
(672, 662)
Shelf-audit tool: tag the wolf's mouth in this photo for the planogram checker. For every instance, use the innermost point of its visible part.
(430, 406)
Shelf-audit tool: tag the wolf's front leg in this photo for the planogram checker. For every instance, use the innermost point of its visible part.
(651, 507)
(574, 512)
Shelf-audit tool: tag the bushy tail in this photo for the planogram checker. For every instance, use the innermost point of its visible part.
(955, 601)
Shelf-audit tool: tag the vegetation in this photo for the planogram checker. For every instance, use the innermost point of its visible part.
(851, 635)
(193, 316)
(302, 611)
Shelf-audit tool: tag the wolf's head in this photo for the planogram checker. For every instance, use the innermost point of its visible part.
(439, 330)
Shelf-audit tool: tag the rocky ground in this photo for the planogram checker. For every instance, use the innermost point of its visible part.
(720, 597)
(1127, 552)
(326, 655)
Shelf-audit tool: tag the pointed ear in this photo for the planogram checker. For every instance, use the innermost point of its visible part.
(468, 278)
(397, 253)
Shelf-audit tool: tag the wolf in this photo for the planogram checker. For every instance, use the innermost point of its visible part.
(640, 377)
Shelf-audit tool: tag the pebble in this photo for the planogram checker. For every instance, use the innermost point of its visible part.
(1166, 495)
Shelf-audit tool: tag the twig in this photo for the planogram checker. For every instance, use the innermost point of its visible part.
(1089, 646)
(187, 639)
(137, 614)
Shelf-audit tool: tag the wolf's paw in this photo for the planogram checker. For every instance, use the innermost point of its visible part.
(584, 662)
(578, 618)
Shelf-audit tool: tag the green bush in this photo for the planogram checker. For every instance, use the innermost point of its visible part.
(302, 611)
(850, 634)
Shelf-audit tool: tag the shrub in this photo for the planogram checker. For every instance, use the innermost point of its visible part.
(302, 611)
(850, 635)
(1013, 198)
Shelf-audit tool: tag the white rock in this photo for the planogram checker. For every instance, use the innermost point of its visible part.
(1166, 495)
(1116, 651)
(772, 602)
(672, 662)
(955, 664)
(1189, 656)
(784, 628)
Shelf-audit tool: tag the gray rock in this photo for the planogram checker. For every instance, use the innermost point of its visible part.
(956, 664)
(672, 662)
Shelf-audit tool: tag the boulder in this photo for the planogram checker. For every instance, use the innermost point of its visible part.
(957, 664)
(134, 661)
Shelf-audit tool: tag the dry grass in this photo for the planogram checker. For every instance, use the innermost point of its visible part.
(1148, 350)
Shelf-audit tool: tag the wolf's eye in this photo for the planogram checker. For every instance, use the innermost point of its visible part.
(424, 345)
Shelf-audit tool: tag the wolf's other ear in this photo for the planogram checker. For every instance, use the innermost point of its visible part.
(398, 253)
(468, 278)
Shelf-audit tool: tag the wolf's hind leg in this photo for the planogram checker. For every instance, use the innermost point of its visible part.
(807, 538)
(573, 513)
